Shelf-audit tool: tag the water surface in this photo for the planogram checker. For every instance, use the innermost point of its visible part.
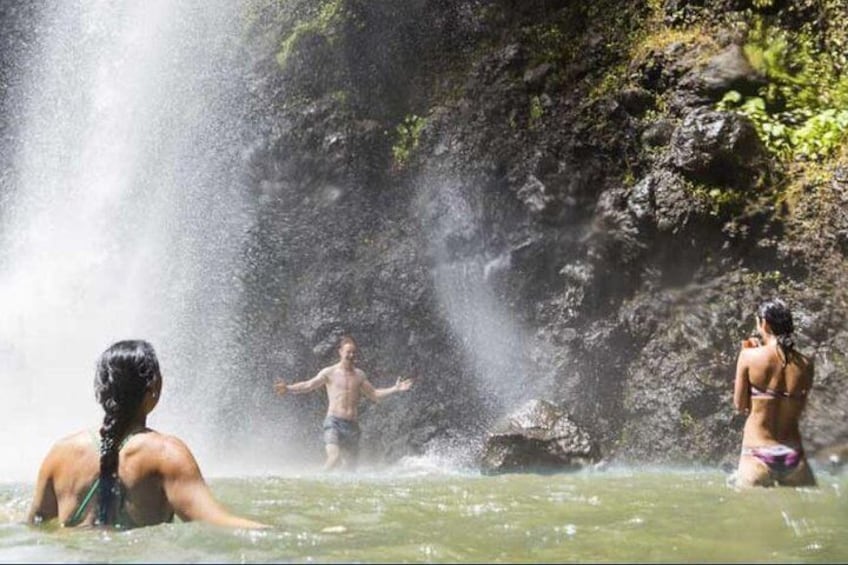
(413, 515)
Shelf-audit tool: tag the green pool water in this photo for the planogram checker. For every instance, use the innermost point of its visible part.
(648, 515)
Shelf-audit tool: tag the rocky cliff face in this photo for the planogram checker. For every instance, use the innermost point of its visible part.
(538, 198)
(509, 198)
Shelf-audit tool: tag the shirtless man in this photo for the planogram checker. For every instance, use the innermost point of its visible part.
(344, 384)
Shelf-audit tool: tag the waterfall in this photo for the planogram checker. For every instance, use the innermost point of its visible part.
(497, 349)
(122, 217)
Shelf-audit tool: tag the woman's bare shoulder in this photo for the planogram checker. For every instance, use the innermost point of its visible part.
(160, 452)
(67, 449)
(158, 440)
(165, 445)
(754, 354)
(81, 440)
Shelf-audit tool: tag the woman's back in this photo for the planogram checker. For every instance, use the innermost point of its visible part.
(778, 391)
(74, 468)
(125, 474)
(772, 382)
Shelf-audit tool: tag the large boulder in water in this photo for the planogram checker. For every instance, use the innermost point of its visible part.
(538, 436)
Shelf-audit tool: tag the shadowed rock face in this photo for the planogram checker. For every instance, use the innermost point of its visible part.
(598, 216)
(594, 213)
(538, 436)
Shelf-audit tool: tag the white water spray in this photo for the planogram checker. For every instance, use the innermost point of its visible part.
(496, 347)
(123, 218)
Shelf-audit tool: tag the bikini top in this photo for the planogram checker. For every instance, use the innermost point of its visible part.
(757, 392)
(123, 521)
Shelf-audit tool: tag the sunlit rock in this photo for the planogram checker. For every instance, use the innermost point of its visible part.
(727, 70)
(538, 436)
(719, 148)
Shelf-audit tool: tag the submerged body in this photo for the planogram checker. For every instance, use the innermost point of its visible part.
(158, 477)
(772, 384)
(144, 477)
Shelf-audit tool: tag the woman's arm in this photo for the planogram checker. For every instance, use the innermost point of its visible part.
(44, 504)
(188, 493)
(741, 387)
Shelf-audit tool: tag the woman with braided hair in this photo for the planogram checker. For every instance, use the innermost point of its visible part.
(773, 380)
(127, 475)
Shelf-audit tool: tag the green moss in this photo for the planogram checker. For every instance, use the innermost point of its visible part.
(643, 42)
(687, 421)
(764, 279)
(549, 42)
(325, 22)
(611, 81)
(253, 12)
(340, 97)
(408, 134)
(721, 201)
(536, 110)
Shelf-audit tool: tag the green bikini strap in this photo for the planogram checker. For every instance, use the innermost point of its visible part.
(78, 515)
(80, 512)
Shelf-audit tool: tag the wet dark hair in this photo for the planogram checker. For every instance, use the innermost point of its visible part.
(124, 373)
(345, 339)
(779, 318)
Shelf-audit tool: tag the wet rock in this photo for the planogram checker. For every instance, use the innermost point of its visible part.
(509, 57)
(600, 269)
(728, 70)
(720, 148)
(636, 101)
(535, 78)
(658, 134)
(662, 198)
(536, 196)
(640, 201)
(663, 68)
(538, 436)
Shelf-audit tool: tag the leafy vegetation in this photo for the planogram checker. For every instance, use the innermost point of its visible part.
(802, 111)
(720, 201)
(408, 135)
(329, 14)
(536, 110)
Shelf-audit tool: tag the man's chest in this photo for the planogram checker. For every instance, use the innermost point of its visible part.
(343, 382)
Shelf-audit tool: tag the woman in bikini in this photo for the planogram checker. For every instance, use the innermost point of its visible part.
(773, 380)
(127, 475)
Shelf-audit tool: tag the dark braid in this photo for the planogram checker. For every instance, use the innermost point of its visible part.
(779, 318)
(124, 373)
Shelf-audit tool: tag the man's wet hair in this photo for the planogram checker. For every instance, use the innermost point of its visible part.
(345, 339)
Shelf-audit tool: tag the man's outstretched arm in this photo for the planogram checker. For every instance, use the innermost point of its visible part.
(281, 387)
(377, 394)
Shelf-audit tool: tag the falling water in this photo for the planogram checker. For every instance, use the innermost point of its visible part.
(497, 349)
(122, 216)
